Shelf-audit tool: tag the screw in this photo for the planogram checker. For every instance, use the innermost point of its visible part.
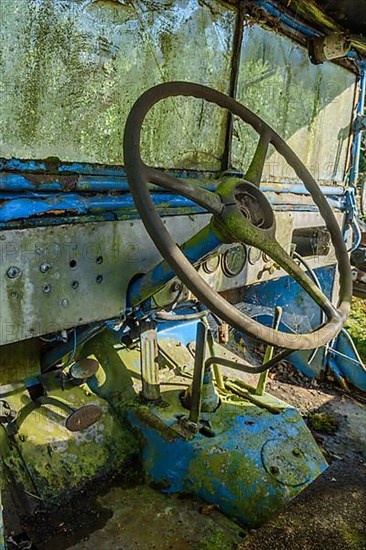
(2, 237)
(13, 272)
(175, 287)
(99, 279)
(14, 295)
(45, 267)
(46, 288)
(274, 470)
(75, 285)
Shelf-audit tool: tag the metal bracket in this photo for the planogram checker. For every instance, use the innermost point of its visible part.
(8, 418)
(359, 124)
(351, 207)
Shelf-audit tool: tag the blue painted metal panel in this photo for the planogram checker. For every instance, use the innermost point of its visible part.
(22, 208)
(231, 469)
(345, 362)
(300, 313)
(202, 244)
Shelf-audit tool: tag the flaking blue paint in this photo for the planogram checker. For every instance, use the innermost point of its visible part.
(228, 469)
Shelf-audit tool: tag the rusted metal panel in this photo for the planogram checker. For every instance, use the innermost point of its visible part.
(57, 278)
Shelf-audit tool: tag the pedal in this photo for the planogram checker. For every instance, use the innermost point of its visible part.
(83, 370)
(83, 418)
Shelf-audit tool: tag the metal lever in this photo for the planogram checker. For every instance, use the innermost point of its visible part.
(261, 386)
(199, 368)
(149, 361)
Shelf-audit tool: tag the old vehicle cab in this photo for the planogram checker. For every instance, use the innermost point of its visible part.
(177, 214)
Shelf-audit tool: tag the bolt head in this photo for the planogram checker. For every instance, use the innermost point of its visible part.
(175, 287)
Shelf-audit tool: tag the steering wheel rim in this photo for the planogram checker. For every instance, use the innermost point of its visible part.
(222, 207)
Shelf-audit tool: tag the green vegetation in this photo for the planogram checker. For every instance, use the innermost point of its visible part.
(363, 154)
(323, 422)
(356, 325)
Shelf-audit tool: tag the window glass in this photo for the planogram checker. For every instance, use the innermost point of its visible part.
(72, 69)
(310, 106)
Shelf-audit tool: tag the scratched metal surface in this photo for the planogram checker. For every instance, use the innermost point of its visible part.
(72, 275)
(310, 106)
(72, 69)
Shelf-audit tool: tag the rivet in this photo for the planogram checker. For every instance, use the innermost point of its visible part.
(46, 288)
(45, 267)
(65, 302)
(13, 272)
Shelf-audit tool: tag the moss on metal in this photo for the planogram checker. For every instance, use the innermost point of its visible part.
(53, 462)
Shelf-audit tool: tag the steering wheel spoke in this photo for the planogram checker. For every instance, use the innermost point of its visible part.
(192, 190)
(284, 260)
(255, 170)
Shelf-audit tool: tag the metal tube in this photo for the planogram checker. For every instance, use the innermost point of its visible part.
(261, 386)
(246, 367)
(199, 363)
(356, 150)
(2, 537)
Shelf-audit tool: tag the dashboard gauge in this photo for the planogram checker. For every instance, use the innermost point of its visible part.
(211, 264)
(254, 255)
(234, 259)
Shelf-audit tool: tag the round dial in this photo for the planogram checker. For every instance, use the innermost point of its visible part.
(254, 255)
(234, 259)
(211, 264)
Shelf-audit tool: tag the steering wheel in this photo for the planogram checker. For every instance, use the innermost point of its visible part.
(234, 206)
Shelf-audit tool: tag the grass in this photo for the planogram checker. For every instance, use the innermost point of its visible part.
(356, 325)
